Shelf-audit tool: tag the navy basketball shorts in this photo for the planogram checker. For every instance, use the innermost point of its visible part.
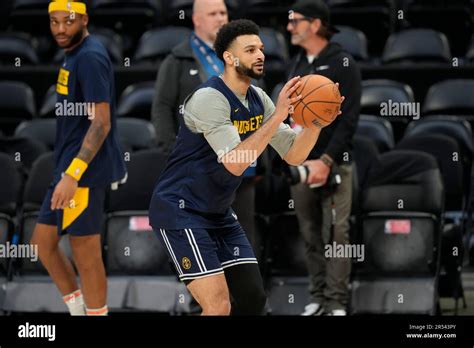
(200, 252)
(83, 217)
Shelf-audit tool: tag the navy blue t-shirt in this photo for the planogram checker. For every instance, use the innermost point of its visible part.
(86, 76)
(195, 190)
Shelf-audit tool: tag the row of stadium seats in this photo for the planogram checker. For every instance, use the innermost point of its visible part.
(377, 19)
(447, 97)
(420, 171)
(447, 138)
(400, 48)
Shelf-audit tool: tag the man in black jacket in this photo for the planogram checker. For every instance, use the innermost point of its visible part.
(324, 216)
(185, 68)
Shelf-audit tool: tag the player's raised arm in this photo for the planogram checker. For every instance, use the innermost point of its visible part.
(257, 142)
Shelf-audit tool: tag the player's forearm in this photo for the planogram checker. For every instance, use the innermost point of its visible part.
(247, 152)
(93, 140)
(302, 146)
(95, 136)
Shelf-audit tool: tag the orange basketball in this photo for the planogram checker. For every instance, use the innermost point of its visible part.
(320, 102)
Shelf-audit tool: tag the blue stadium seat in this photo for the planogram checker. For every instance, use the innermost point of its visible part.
(14, 46)
(453, 18)
(136, 133)
(136, 100)
(43, 130)
(353, 41)
(401, 227)
(127, 223)
(453, 97)
(378, 130)
(17, 104)
(9, 196)
(155, 44)
(404, 47)
(379, 95)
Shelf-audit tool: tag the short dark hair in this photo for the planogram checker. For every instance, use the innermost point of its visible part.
(229, 32)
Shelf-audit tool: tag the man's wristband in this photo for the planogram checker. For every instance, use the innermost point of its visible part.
(77, 168)
(326, 160)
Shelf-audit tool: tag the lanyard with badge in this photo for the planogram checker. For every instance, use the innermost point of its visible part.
(206, 55)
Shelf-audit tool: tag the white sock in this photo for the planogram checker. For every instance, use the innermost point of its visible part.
(97, 311)
(75, 303)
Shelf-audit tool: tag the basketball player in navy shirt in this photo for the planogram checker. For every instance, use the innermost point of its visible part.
(226, 125)
(88, 159)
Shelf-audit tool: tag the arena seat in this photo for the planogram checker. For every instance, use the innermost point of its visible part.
(36, 186)
(125, 16)
(444, 148)
(23, 150)
(433, 13)
(17, 104)
(155, 44)
(138, 134)
(378, 92)
(127, 227)
(136, 100)
(17, 48)
(373, 17)
(365, 154)
(9, 196)
(402, 206)
(404, 47)
(43, 130)
(378, 130)
(353, 41)
(460, 131)
(451, 97)
(48, 105)
(470, 53)
(178, 12)
(137, 265)
(27, 14)
(374, 92)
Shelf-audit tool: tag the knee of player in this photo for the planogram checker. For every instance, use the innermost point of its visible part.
(219, 306)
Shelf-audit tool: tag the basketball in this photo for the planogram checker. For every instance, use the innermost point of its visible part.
(320, 102)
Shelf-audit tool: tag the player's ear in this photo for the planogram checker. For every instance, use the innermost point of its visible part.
(85, 19)
(228, 58)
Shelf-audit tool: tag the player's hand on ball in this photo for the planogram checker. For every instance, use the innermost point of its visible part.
(63, 192)
(284, 103)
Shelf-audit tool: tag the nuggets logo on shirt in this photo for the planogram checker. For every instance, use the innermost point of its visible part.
(63, 79)
(250, 125)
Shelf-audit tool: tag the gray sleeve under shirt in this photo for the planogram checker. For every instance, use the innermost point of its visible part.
(207, 112)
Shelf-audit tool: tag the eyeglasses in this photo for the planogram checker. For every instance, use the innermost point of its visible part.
(294, 21)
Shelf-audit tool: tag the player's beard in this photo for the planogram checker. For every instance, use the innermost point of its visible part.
(76, 38)
(249, 72)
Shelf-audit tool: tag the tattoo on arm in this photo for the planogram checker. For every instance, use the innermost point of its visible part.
(93, 140)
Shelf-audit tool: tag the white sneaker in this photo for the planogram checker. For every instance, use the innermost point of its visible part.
(338, 312)
(313, 309)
